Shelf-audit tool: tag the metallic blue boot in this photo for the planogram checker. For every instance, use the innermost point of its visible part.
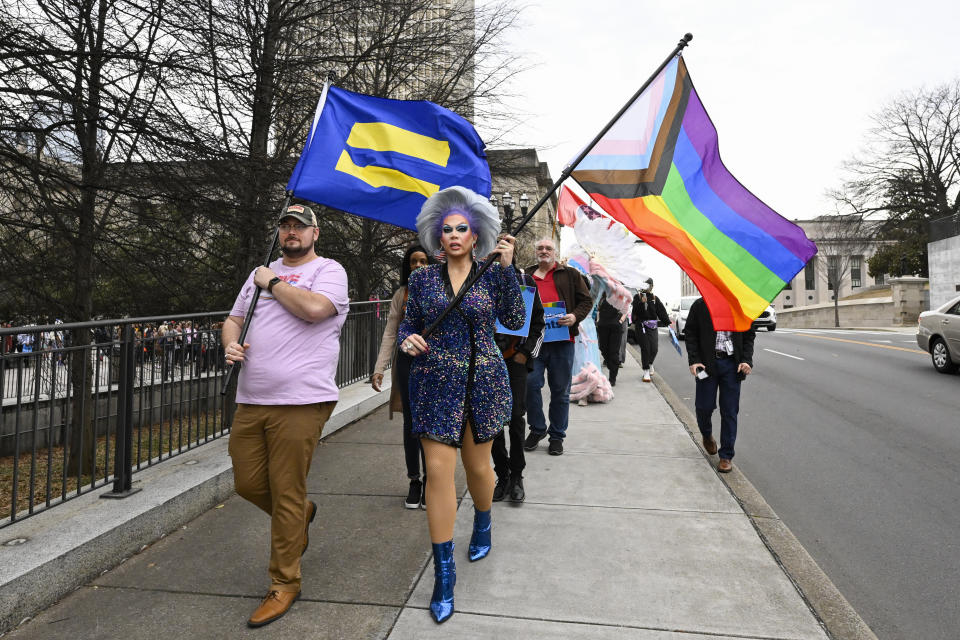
(480, 540)
(445, 577)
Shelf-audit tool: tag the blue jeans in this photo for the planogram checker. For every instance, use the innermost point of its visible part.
(557, 359)
(727, 383)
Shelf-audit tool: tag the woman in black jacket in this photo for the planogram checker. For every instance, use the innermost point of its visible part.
(648, 314)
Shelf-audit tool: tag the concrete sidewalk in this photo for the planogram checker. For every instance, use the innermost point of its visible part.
(629, 534)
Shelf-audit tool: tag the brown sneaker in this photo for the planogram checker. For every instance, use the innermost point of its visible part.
(272, 607)
(710, 445)
(306, 530)
(724, 466)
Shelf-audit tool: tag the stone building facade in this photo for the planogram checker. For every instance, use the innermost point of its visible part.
(519, 172)
(943, 260)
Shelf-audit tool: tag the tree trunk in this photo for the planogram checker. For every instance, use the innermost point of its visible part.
(836, 309)
(81, 458)
(255, 200)
(81, 455)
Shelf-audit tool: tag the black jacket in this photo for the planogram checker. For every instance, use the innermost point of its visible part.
(701, 340)
(652, 309)
(529, 346)
(607, 314)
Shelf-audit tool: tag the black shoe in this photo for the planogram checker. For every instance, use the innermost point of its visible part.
(533, 440)
(502, 489)
(613, 382)
(414, 494)
(555, 448)
(517, 494)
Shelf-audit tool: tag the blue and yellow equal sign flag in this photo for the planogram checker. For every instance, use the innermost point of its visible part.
(381, 158)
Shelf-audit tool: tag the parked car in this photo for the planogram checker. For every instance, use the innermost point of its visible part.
(678, 313)
(767, 319)
(938, 333)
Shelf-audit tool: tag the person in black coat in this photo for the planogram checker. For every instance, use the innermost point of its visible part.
(519, 353)
(720, 361)
(647, 315)
(610, 336)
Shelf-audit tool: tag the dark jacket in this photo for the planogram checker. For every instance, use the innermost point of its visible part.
(607, 314)
(529, 346)
(652, 309)
(701, 340)
(573, 292)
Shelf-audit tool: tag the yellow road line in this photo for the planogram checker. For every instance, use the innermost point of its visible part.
(869, 344)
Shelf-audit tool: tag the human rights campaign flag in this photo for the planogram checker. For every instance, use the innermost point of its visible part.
(381, 158)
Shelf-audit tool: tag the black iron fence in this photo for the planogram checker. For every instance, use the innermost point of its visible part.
(943, 228)
(87, 404)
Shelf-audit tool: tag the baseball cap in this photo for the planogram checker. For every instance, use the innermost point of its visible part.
(300, 212)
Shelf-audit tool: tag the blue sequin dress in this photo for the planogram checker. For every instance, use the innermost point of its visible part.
(462, 376)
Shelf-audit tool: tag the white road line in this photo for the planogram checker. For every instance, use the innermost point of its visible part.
(780, 353)
(887, 341)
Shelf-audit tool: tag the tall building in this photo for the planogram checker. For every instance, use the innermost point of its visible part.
(406, 50)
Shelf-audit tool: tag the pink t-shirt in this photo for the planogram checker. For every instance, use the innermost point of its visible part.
(292, 361)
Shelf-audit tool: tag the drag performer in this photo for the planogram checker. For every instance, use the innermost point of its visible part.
(459, 387)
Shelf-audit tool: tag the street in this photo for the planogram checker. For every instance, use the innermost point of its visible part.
(853, 439)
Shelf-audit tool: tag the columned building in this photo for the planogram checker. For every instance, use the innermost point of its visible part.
(844, 244)
(521, 174)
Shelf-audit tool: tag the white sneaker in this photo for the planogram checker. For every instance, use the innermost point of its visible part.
(582, 402)
(646, 375)
(651, 369)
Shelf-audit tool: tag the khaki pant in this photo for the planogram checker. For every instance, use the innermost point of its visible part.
(272, 447)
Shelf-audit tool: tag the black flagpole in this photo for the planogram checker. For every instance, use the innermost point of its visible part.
(684, 41)
(234, 367)
(232, 370)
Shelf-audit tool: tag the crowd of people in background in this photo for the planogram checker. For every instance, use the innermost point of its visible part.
(170, 344)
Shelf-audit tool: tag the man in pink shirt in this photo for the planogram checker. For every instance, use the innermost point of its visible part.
(285, 393)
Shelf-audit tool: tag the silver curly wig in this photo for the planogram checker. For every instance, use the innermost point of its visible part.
(480, 214)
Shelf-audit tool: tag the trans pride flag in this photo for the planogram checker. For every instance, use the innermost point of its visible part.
(658, 171)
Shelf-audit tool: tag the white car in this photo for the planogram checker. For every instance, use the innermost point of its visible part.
(767, 319)
(678, 313)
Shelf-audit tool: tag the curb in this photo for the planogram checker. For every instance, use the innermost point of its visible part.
(832, 610)
(66, 547)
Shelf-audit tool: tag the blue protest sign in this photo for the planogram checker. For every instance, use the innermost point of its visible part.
(674, 341)
(555, 332)
(528, 293)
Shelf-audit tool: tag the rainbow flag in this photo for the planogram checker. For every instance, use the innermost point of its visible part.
(658, 171)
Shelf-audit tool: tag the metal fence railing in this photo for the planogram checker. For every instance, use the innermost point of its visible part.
(943, 228)
(86, 404)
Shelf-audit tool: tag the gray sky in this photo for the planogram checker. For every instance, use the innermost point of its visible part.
(790, 86)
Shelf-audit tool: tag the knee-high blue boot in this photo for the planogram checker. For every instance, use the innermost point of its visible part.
(445, 577)
(480, 540)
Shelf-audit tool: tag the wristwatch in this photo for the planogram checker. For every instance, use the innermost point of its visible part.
(272, 282)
